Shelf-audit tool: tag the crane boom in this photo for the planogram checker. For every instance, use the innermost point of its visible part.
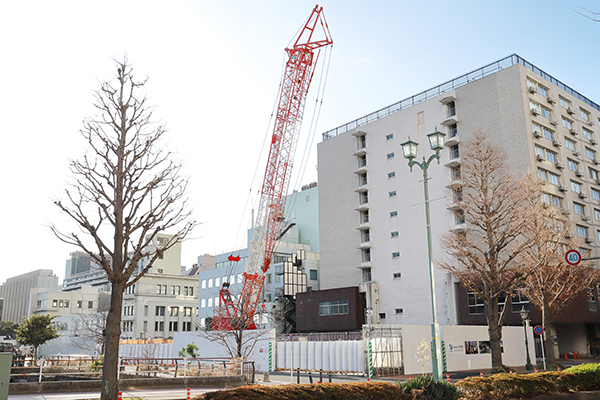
(290, 110)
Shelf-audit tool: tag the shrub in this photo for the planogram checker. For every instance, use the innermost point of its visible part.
(503, 369)
(430, 388)
(329, 391)
(553, 367)
(588, 374)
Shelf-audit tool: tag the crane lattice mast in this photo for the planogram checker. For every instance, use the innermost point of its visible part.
(294, 88)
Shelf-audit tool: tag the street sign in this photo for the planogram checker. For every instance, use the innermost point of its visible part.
(538, 329)
(573, 257)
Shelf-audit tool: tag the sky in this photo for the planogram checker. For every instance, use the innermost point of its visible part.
(213, 71)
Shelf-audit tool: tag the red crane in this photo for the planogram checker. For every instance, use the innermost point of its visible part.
(296, 82)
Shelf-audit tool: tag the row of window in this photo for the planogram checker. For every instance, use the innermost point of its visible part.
(56, 303)
(217, 282)
(174, 311)
(175, 290)
(536, 87)
(159, 326)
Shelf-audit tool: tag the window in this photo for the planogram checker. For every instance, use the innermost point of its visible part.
(381, 315)
(173, 326)
(203, 284)
(597, 215)
(394, 235)
(366, 275)
(589, 135)
(591, 295)
(547, 154)
(573, 165)
(145, 310)
(362, 161)
(366, 255)
(452, 131)
(362, 179)
(455, 173)
(79, 304)
(158, 289)
(593, 174)
(313, 274)
(582, 231)
(576, 187)
(589, 153)
(55, 303)
(454, 152)
(363, 197)
(334, 307)
(307, 199)
(536, 87)
(548, 177)
(90, 304)
(172, 290)
(364, 216)
(365, 236)
(548, 134)
(389, 137)
(395, 255)
(390, 156)
(476, 305)
(584, 115)
(392, 193)
(546, 112)
(160, 311)
(362, 142)
(567, 123)
(556, 201)
(173, 311)
(217, 284)
(397, 275)
(595, 194)
(519, 301)
(459, 218)
(399, 311)
(209, 302)
(393, 214)
(570, 144)
(268, 279)
(564, 103)
(450, 109)
(539, 109)
(579, 208)
(202, 303)
(159, 326)
(187, 311)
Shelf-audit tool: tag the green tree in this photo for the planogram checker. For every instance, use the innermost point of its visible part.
(36, 330)
(189, 350)
(8, 329)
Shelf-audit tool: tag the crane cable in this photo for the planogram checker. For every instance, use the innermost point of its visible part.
(312, 129)
(237, 244)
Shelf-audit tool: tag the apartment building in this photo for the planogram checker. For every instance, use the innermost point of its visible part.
(15, 292)
(371, 207)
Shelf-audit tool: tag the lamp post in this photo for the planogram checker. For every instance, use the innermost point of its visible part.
(409, 148)
(524, 314)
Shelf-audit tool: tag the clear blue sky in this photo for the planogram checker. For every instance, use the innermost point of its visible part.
(214, 69)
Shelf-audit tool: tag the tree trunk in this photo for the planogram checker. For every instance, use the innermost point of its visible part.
(494, 332)
(110, 384)
(548, 342)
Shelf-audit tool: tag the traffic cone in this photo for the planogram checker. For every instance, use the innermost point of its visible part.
(535, 369)
(188, 394)
(448, 378)
(410, 378)
(120, 396)
(565, 355)
(481, 374)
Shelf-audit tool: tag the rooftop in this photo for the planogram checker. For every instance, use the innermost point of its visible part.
(453, 84)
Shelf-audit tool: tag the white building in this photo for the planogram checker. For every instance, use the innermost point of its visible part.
(371, 207)
(15, 292)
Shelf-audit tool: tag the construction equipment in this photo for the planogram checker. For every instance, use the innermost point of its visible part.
(232, 314)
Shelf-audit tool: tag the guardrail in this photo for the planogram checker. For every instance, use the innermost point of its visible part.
(89, 368)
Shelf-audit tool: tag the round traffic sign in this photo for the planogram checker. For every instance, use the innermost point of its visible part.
(538, 329)
(573, 257)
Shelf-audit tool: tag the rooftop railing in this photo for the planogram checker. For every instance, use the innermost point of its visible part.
(453, 84)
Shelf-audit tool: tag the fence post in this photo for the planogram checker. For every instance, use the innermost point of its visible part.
(41, 367)
(119, 368)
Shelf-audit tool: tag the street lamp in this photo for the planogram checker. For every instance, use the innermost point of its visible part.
(524, 314)
(409, 148)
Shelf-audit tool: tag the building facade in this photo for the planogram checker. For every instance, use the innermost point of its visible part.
(15, 292)
(371, 207)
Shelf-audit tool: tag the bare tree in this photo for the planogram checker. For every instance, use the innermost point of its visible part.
(484, 258)
(552, 282)
(90, 329)
(589, 14)
(126, 190)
